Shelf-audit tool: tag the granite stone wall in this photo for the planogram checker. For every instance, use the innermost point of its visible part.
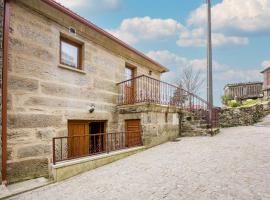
(159, 124)
(191, 126)
(244, 116)
(43, 96)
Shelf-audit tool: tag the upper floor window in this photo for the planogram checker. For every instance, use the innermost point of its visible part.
(70, 53)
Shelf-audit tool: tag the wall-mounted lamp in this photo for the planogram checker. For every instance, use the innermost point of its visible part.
(72, 30)
(92, 108)
(150, 73)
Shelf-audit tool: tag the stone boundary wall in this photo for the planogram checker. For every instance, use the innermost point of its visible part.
(243, 116)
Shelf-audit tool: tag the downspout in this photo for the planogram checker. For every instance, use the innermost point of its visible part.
(5, 88)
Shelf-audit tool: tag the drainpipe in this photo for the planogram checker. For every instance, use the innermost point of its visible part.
(4, 89)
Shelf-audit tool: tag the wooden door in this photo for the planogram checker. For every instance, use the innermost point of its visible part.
(78, 141)
(129, 93)
(129, 86)
(133, 133)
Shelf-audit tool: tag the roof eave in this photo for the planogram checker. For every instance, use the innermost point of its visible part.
(103, 32)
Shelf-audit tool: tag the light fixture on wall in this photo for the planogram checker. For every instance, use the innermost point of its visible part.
(150, 73)
(72, 30)
(92, 108)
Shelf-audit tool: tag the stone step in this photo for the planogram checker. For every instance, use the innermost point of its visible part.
(17, 188)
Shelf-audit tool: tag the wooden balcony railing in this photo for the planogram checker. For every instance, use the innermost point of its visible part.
(144, 89)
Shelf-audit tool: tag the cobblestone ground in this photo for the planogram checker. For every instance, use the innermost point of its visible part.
(232, 165)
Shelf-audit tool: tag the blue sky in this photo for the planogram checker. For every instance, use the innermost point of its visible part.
(173, 33)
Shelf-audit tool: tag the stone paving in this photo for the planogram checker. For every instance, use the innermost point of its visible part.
(232, 165)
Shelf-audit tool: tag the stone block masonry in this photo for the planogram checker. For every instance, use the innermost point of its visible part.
(158, 123)
(27, 169)
(43, 96)
(244, 116)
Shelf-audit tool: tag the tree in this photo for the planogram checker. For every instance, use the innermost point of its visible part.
(191, 80)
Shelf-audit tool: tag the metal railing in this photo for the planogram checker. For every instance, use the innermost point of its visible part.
(145, 89)
(72, 147)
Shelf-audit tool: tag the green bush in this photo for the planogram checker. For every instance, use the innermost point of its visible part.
(225, 99)
(249, 102)
(234, 103)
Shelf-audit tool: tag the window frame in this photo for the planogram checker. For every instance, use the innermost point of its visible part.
(79, 47)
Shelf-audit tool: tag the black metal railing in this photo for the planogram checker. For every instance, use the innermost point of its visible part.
(145, 89)
(72, 147)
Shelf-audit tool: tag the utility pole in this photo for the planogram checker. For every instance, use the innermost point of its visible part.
(209, 62)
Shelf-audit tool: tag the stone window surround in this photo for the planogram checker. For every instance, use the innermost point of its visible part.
(71, 68)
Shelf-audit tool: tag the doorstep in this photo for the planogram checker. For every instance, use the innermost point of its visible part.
(67, 169)
(21, 187)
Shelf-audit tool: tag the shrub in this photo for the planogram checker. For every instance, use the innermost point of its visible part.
(234, 103)
(225, 99)
(249, 102)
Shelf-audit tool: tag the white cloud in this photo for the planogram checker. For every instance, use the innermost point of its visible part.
(174, 62)
(177, 63)
(266, 64)
(223, 74)
(220, 39)
(197, 38)
(239, 15)
(91, 6)
(138, 29)
(135, 30)
(232, 75)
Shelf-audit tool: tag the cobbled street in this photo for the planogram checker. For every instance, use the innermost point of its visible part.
(235, 164)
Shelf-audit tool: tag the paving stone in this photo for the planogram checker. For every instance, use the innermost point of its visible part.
(232, 165)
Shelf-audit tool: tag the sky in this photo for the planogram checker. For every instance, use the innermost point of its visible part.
(174, 34)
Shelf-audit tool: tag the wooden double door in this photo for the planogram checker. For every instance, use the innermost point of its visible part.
(86, 137)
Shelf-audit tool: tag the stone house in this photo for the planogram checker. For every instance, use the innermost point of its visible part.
(266, 83)
(71, 90)
(242, 91)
